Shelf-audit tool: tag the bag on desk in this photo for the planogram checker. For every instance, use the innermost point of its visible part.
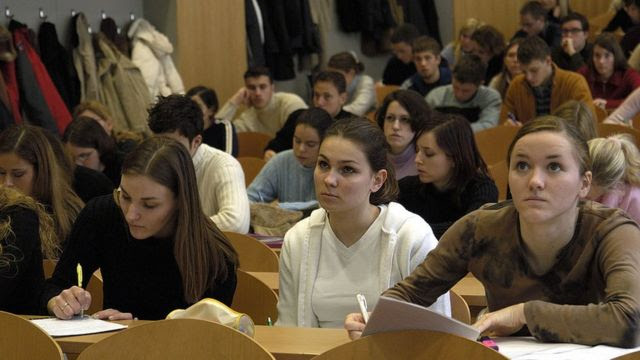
(214, 310)
(270, 219)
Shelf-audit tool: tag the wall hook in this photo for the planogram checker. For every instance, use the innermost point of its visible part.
(8, 13)
(103, 15)
(42, 14)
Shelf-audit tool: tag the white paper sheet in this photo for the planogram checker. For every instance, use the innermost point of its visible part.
(76, 326)
(394, 315)
(528, 348)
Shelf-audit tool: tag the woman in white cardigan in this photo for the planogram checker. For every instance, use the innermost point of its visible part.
(358, 242)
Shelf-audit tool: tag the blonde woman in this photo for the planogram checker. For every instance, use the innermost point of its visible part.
(581, 116)
(462, 45)
(26, 234)
(616, 173)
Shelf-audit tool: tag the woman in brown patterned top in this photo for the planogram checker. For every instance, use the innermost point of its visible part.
(553, 265)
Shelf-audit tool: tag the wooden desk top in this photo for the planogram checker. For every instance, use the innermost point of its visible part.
(468, 287)
(282, 342)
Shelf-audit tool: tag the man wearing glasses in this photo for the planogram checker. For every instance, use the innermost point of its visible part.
(574, 51)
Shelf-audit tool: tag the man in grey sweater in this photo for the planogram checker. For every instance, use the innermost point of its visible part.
(466, 95)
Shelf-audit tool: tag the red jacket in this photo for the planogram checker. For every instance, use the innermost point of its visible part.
(616, 89)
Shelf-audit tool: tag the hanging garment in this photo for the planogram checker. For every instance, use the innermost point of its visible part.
(109, 28)
(123, 88)
(40, 100)
(58, 62)
(151, 53)
(84, 59)
(7, 55)
(424, 15)
(255, 34)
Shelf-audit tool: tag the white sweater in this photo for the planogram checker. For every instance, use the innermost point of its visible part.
(267, 120)
(362, 95)
(223, 195)
(405, 240)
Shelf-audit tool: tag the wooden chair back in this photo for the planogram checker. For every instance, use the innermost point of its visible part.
(253, 255)
(177, 339)
(48, 266)
(500, 174)
(21, 339)
(251, 167)
(252, 144)
(411, 344)
(601, 114)
(382, 91)
(493, 143)
(459, 308)
(605, 130)
(255, 298)
(635, 355)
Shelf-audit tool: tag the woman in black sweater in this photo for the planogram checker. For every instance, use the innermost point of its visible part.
(26, 234)
(156, 249)
(452, 180)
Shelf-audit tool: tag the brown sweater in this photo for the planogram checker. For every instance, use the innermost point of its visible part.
(566, 85)
(590, 296)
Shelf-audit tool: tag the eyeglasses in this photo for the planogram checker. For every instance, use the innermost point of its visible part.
(571, 31)
(392, 118)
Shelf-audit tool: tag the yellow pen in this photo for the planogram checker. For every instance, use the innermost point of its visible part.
(79, 271)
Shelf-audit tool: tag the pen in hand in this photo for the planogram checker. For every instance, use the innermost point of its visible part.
(362, 303)
(79, 271)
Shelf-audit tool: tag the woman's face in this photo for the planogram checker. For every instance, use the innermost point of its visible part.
(603, 61)
(207, 114)
(327, 97)
(544, 177)
(85, 156)
(397, 129)
(17, 173)
(433, 164)
(465, 42)
(148, 207)
(511, 61)
(306, 143)
(106, 124)
(343, 177)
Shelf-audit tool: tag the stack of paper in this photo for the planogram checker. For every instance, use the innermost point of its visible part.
(76, 326)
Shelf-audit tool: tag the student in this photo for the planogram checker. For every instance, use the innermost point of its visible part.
(543, 86)
(625, 113)
(430, 73)
(361, 93)
(288, 176)
(556, 9)
(400, 66)
(552, 265)
(90, 146)
(466, 95)
(156, 249)
(26, 234)
(627, 16)
(358, 242)
(28, 163)
(219, 176)
(510, 69)
(452, 179)
(616, 173)
(533, 22)
(266, 111)
(402, 114)
(488, 43)
(579, 115)
(631, 36)
(609, 76)
(462, 46)
(329, 94)
(575, 50)
(218, 133)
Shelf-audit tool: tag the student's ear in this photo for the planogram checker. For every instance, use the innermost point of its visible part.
(197, 141)
(438, 59)
(378, 180)
(585, 185)
(343, 98)
(547, 60)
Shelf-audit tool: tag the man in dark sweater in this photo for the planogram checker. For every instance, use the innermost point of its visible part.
(400, 67)
(533, 21)
(431, 73)
(575, 51)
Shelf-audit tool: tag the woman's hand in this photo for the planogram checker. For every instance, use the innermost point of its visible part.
(354, 323)
(112, 314)
(69, 302)
(601, 103)
(503, 322)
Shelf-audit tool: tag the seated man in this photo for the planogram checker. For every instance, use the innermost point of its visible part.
(466, 95)
(543, 87)
(267, 111)
(400, 67)
(223, 195)
(533, 20)
(430, 72)
(575, 51)
(487, 42)
(631, 37)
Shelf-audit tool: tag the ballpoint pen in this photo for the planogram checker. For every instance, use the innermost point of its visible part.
(79, 271)
(362, 303)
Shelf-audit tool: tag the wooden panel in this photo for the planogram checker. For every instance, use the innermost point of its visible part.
(211, 44)
(505, 14)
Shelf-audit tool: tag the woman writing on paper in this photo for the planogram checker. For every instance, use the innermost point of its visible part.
(358, 242)
(156, 249)
(552, 265)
